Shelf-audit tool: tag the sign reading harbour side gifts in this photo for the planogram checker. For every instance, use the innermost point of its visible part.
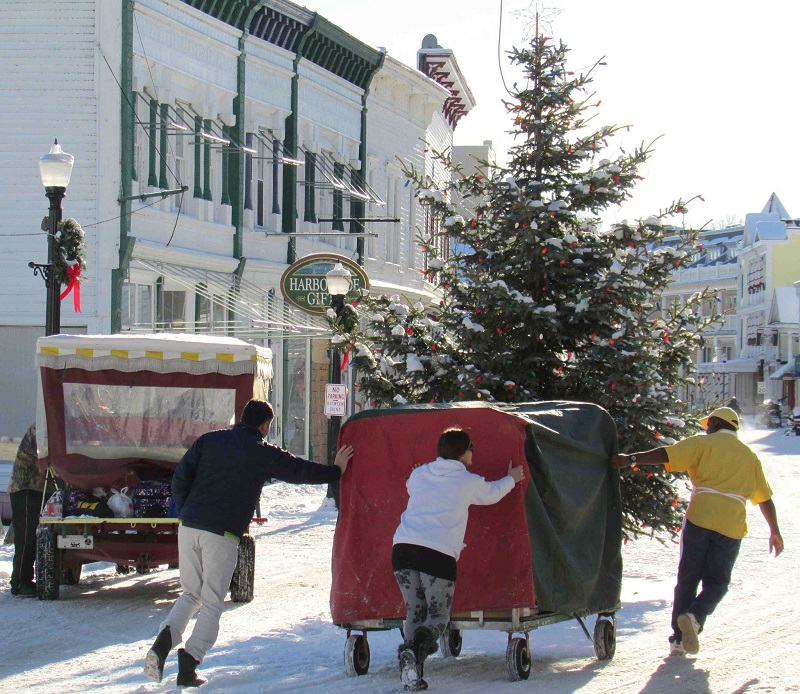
(303, 284)
(335, 399)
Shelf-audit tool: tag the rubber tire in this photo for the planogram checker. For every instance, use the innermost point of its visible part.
(71, 575)
(356, 655)
(518, 660)
(605, 639)
(244, 575)
(48, 564)
(450, 642)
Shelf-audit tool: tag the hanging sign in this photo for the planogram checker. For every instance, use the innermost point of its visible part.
(303, 284)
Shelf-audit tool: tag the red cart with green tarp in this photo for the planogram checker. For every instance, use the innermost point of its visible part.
(549, 551)
(119, 411)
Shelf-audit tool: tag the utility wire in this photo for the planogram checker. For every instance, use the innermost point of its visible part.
(91, 224)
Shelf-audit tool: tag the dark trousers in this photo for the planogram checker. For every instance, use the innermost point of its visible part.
(706, 556)
(25, 508)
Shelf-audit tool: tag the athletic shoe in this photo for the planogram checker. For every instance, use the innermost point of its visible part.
(410, 673)
(690, 628)
(676, 648)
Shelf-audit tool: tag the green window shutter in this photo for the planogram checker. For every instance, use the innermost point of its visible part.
(225, 198)
(338, 200)
(163, 183)
(276, 155)
(248, 173)
(198, 157)
(152, 179)
(134, 103)
(357, 207)
(309, 212)
(207, 163)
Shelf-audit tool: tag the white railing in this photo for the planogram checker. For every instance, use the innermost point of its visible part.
(706, 273)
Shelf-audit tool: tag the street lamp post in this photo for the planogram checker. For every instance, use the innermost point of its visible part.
(55, 169)
(338, 280)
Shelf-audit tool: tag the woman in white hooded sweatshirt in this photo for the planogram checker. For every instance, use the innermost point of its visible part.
(429, 541)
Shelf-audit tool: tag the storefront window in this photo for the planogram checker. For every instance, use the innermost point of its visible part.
(295, 434)
(136, 306)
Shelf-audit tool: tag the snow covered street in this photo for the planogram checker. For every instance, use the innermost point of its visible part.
(96, 635)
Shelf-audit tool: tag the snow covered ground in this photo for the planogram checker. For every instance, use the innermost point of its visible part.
(96, 635)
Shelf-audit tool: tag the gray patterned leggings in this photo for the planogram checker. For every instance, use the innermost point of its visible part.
(428, 601)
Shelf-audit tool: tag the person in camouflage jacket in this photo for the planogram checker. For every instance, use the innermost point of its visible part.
(26, 489)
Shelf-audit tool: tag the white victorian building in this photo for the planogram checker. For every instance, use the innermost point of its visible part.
(215, 144)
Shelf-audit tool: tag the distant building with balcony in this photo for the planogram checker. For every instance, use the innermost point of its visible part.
(753, 268)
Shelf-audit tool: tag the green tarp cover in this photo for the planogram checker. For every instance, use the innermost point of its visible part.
(573, 506)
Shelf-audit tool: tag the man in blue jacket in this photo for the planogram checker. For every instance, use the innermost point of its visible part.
(216, 487)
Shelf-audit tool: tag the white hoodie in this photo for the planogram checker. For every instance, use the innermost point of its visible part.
(440, 494)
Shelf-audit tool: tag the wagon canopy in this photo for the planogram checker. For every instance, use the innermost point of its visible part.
(112, 404)
(553, 545)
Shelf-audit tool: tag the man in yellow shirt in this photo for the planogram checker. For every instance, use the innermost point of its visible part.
(725, 473)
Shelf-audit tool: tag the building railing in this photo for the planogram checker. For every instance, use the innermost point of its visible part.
(704, 273)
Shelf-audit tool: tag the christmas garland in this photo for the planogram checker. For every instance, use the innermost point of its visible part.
(69, 252)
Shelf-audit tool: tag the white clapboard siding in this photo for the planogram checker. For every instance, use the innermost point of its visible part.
(47, 57)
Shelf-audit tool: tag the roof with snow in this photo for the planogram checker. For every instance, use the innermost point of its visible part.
(785, 306)
(763, 226)
(770, 231)
(775, 206)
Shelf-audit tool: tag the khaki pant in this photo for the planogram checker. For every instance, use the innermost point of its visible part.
(207, 562)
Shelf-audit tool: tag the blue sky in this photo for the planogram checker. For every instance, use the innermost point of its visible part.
(715, 79)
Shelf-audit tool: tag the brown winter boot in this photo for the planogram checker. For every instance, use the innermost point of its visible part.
(424, 643)
(187, 677)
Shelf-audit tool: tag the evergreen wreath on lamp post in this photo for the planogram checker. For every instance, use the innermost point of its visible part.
(69, 252)
(69, 260)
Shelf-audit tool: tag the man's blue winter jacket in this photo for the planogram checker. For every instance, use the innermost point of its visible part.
(217, 484)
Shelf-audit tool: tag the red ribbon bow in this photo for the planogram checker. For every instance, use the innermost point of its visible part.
(74, 285)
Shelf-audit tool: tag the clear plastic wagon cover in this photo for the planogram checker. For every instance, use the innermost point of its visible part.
(106, 421)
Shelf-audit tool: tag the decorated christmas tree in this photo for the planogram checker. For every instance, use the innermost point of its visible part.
(539, 302)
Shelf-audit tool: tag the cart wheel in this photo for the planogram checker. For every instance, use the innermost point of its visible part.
(71, 575)
(605, 639)
(518, 660)
(244, 574)
(356, 655)
(48, 564)
(450, 642)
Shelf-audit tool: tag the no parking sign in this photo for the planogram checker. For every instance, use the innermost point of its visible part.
(335, 399)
